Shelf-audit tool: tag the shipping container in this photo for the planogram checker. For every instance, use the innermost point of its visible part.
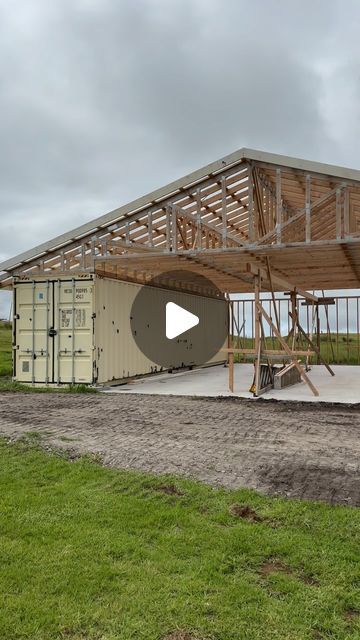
(78, 330)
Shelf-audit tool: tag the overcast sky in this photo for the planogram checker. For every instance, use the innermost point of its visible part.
(102, 101)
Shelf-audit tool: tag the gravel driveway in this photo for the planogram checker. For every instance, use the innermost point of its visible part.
(303, 450)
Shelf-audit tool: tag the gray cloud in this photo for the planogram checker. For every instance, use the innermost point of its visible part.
(102, 101)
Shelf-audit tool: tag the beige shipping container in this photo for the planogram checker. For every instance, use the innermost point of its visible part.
(54, 330)
(78, 330)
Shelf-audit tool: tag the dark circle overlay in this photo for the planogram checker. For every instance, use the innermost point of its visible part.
(194, 347)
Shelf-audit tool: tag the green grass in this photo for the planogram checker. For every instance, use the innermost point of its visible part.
(6, 384)
(90, 553)
(5, 349)
(345, 349)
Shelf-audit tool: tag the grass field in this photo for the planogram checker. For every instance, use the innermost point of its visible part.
(343, 349)
(5, 349)
(90, 553)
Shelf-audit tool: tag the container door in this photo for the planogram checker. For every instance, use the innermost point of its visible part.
(74, 331)
(33, 357)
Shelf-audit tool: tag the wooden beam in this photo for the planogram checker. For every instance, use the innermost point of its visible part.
(150, 229)
(271, 352)
(278, 206)
(346, 212)
(338, 214)
(168, 228)
(224, 211)
(251, 208)
(174, 230)
(258, 340)
(198, 217)
(262, 231)
(308, 208)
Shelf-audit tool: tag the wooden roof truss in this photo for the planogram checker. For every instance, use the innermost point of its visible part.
(296, 222)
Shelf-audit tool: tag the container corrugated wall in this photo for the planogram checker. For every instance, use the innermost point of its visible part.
(117, 354)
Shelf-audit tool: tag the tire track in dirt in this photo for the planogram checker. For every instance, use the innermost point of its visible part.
(280, 448)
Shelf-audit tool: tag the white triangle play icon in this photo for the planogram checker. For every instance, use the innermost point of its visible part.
(178, 320)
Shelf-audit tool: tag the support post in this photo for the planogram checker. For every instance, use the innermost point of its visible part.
(168, 228)
(82, 261)
(308, 208)
(257, 283)
(318, 336)
(174, 235)
(251, 207)
(278, 206)
(293, 315)
(127, 232)
(150, 229)
(268, 209)
(272, 292)
(346, 212)
(198, 218)
(338, 214)
(224, 217)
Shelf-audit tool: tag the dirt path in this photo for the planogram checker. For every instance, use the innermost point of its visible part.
(303, 450)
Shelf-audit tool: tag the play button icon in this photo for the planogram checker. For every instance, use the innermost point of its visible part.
(176, 328)
(178, 320)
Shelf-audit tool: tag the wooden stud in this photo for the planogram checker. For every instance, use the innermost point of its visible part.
(257, 329)
(150, 229)
(127, 232)
(308, 208)
(174, 230)
(168, 228)
(251, 208)
(198, 218)
(338, 214)
(346, 212)
(223, 203)
(278, 206)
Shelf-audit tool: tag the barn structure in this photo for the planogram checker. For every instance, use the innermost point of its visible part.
(251, 222)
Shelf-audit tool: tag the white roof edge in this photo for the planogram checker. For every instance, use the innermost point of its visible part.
(304, 165)
(163, 192)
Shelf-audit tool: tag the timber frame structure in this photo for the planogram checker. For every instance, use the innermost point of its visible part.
(251, 221)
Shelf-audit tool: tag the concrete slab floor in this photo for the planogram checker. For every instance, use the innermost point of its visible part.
(344, 387)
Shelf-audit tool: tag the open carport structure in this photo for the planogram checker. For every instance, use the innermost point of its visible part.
(250, 222)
